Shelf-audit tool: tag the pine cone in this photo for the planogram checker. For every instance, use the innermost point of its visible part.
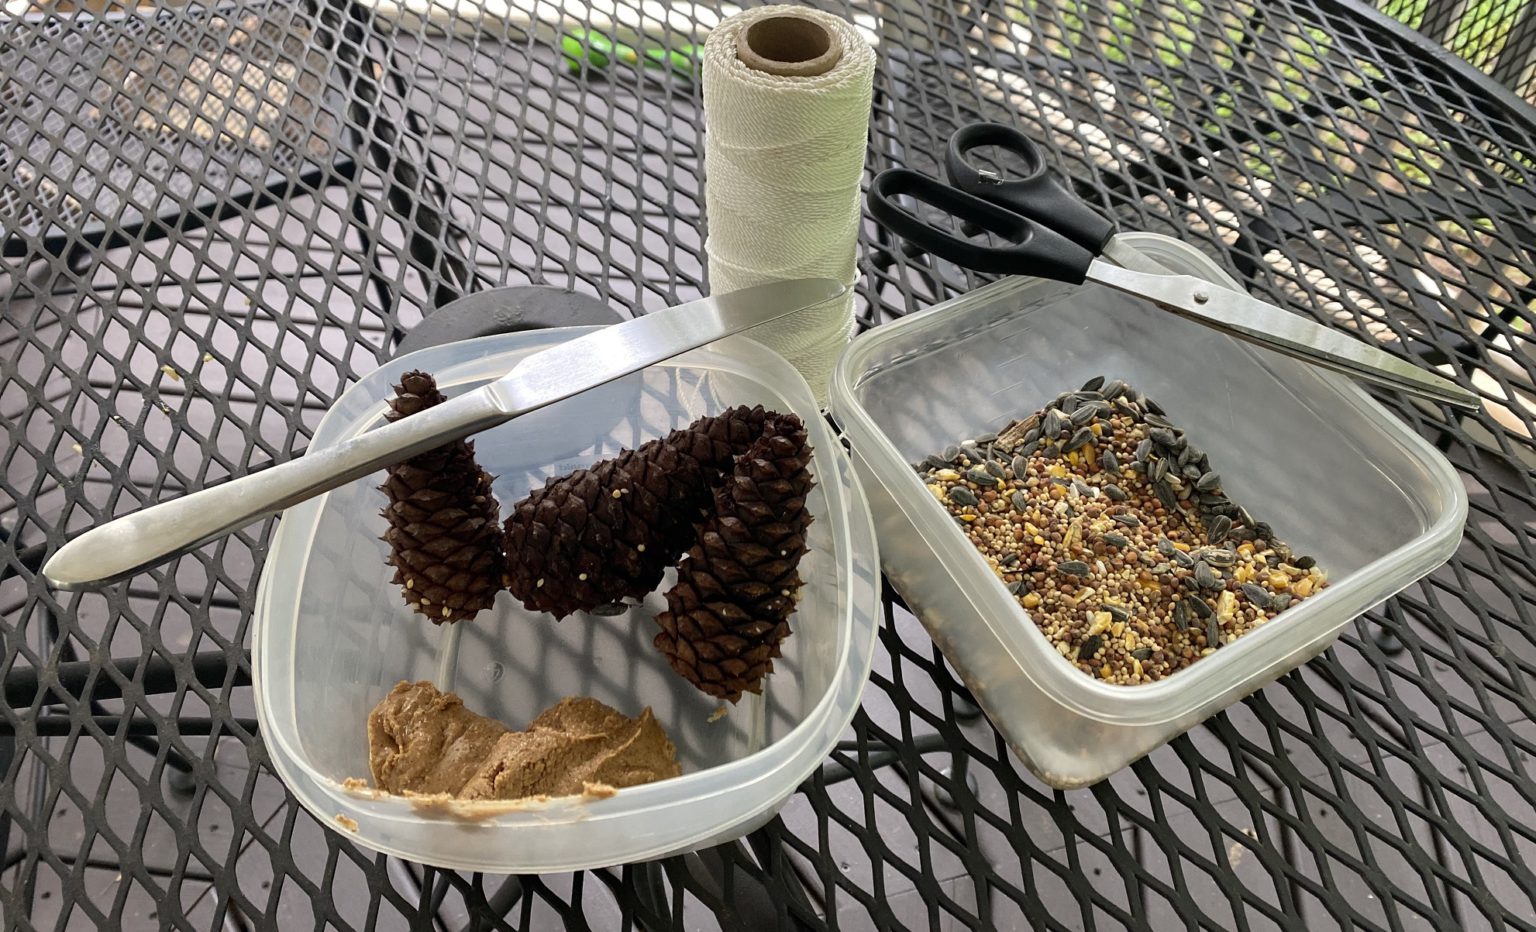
(443, 535)
(737, 588)
(609, 532)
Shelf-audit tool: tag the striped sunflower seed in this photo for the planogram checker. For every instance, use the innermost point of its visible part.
(1209, 482)
(1205, 577)
(1116, 540)
(1072, 568)
(1127, 520)
(1079, 440)
(1115, 493)
(1020, 502)
(1256, 594)
(1201, 607)
(1093, 384)
(961, 495)
(1221, 525)
(1109, 462)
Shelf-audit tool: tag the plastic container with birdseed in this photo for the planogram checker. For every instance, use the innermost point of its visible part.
(1337, 476)
(1114, 533)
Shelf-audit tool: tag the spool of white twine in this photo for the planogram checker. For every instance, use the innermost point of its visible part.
(786, 111)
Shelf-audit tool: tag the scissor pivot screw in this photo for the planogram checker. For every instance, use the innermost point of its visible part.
(1201, 297)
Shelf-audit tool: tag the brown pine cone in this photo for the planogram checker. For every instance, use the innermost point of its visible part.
(737, 588)
(444, 531)
(609, 532)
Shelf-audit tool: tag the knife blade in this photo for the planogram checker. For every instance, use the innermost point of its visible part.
(128, 545)
(1263, 324)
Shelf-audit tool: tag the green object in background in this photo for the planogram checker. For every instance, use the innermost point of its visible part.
(585, 47)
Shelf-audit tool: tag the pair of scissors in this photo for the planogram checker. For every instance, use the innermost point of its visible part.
(1048, 232)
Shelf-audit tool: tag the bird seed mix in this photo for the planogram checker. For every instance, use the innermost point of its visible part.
(1112, 531)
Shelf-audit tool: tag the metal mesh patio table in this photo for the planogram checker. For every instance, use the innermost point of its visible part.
(215, 217)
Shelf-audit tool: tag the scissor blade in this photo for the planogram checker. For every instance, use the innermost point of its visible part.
(1260, 322)
(1123, 254)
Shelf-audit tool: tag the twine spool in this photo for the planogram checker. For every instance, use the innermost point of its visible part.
(786, 108)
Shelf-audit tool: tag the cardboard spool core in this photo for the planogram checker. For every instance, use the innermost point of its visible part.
(789, 46)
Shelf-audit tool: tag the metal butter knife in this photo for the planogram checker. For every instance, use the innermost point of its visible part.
(130, 544)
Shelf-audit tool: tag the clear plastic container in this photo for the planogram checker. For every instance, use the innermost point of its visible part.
(1306, 450)
(332, 636)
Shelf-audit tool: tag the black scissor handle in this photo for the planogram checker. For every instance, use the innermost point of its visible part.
(1037, 195)
(1032, 249)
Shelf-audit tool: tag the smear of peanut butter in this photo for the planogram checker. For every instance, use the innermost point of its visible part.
(424, 742)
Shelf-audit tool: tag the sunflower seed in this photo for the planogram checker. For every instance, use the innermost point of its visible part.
(1244, 517)
(1143, 449)
(1190, 472)
(1166, 547)
(1280, 602)
(1020, 502)
(986, 438)
(1127, 520)
(1162, 569)
(1164, 436)
(1242, 534)
(1181, 614)
(1209, 482)
(1031, 435)
(1205, 577)
(1142, 653)
(1018, 588)
(1054, 423)
(1256, 594)
(1093, 384)
(1115, 493)
(1165, 495)
(1116, 540)
(1154, 419)
(1186, 460)
(1084, 489)
(936, 462)
(1127, 407)
(1211, 500)
(1305, 563)
(950, 453)
(1212, 633)
(1029, 448)
(1221, 525)
(1117, 611)
(1062, 481)
(961, 495)
(1152, 407)
(1072, 568)
(1020, 467)
(1083, 415)
(1090, 647)
(969, 447)
(1009, 559)
(1183, 559)
(1114, 389)
(1160, 470)
(997, 469)
(1219, 558)
(1079, 440)
(1109, 462)
(1201, 607)
(610, 609)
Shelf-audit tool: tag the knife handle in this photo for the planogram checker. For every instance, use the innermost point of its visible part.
(127, 545)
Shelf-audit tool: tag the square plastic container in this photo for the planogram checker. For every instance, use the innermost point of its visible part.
(1307, 451)
(332, 636)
